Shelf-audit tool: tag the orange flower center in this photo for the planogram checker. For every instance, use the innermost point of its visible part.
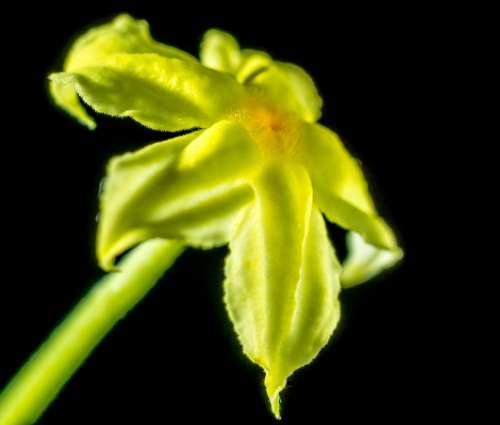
(277, 132)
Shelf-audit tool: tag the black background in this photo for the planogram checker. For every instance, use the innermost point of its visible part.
(175, 358)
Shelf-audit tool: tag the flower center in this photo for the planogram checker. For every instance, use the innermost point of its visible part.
(277, 132)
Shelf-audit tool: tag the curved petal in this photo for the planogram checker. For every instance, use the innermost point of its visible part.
(289, 85)
(253, 62)
(341, 192)
(379, 250)
(331, 167)
(371, 227)
(219, 50)
(124, 34)
(282, 279)
(365, 261)
(189, 188)
(66, 98)
(161, 93)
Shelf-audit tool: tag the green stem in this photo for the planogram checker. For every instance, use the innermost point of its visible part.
(38, 382)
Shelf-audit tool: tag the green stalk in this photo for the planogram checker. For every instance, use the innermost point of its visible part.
(43, 376)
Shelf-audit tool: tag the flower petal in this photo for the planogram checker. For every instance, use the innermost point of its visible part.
(219, 50)
(384, 251)
(123, 34)
(161, 93)
(333, 168)
(365, 261)
(253, 62)
(66, 98)
(287, 84)
(290, 86)
(282, 278)
(189, 188)
(341, 192)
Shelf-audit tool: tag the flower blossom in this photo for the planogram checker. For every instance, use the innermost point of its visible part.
(255, 170)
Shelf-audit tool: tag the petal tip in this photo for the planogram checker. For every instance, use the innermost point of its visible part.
(107, 263)
(274, 385)
(89, 123)
(63, 93)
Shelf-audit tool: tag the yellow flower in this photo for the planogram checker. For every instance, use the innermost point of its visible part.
(256, 171)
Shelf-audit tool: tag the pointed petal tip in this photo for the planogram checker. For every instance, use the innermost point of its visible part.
(62, 77)
(88, 122)
(275, 407)
(274, 385)
(107, 263)
(106, 255)
(64, 96)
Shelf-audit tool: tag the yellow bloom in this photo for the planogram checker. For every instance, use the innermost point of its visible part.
(257, 172)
